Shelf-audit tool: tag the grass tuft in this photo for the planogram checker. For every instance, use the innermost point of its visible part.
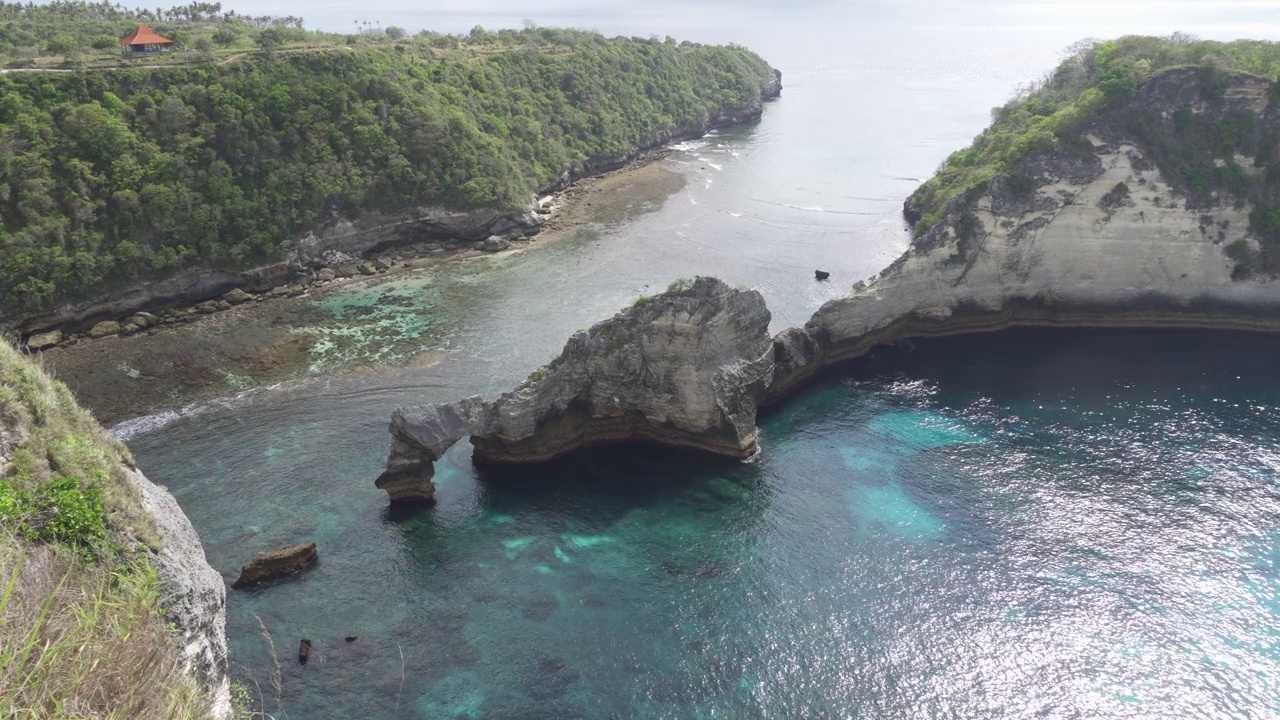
(81, 640)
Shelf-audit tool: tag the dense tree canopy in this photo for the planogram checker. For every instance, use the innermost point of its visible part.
(111, 176)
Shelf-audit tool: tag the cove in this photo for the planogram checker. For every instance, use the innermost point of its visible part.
(1055, 521)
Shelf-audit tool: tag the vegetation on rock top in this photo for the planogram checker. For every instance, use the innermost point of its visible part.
(1199, 152)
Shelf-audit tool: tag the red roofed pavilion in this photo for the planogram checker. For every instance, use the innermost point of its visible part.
(143, 39)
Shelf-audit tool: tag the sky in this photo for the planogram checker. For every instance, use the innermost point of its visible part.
(1210, 18)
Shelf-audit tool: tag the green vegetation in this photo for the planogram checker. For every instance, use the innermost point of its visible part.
(80, 631)
(1196, 151)
(66, 31)
(642, 301)
(111, 177)
(61, 511)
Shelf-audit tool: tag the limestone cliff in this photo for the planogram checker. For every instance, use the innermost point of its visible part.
(1103, 235)
(194, 596)
(684, 368)
(1118, 225)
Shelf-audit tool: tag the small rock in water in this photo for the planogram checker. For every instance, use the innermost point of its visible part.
(44, 341)
(351, 638)
(821, 274)
(495, 243)
(270, 565)
(304, 651)
(237, 297)
(104, 328)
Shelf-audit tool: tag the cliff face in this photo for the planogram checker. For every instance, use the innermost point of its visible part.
(1105, 229)
(1103, 237)
(194, 596)
(684, 368)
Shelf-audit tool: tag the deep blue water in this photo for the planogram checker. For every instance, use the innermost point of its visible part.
(1032, 524)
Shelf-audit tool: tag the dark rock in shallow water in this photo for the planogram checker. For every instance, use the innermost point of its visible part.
(304, 651)
(351, 638)
(273, 564)
(539, 608)
(684, 368)
(821, 274)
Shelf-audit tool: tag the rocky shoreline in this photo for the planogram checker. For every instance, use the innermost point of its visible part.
(345, 249)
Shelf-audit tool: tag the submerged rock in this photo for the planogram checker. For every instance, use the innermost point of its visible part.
(684, 368)
(304, 651)
(274, 564)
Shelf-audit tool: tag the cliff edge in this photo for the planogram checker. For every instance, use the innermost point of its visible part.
(1130, 189)
(104, 561)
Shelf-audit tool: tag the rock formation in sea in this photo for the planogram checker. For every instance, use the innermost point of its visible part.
(1087, 232)
(684, 368)
(274, 564)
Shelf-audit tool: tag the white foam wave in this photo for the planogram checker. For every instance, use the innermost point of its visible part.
(690, 145)
(133, 427)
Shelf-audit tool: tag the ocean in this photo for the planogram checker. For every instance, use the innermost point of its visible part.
(1027, 524)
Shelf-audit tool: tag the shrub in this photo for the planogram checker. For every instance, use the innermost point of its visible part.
(61, 44)
(63, 511)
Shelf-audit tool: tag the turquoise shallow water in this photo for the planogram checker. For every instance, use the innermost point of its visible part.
(1033, 524)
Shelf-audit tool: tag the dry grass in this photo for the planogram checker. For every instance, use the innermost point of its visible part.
(85, 642)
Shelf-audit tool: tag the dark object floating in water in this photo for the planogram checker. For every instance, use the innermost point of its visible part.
(351, 638)
(304, 651)
(821, 274)
(273, 564)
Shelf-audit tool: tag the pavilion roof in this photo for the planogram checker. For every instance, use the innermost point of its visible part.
(143, 35)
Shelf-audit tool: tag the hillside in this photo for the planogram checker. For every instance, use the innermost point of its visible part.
(110, 610)
(111, 177)
(1209, 149)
